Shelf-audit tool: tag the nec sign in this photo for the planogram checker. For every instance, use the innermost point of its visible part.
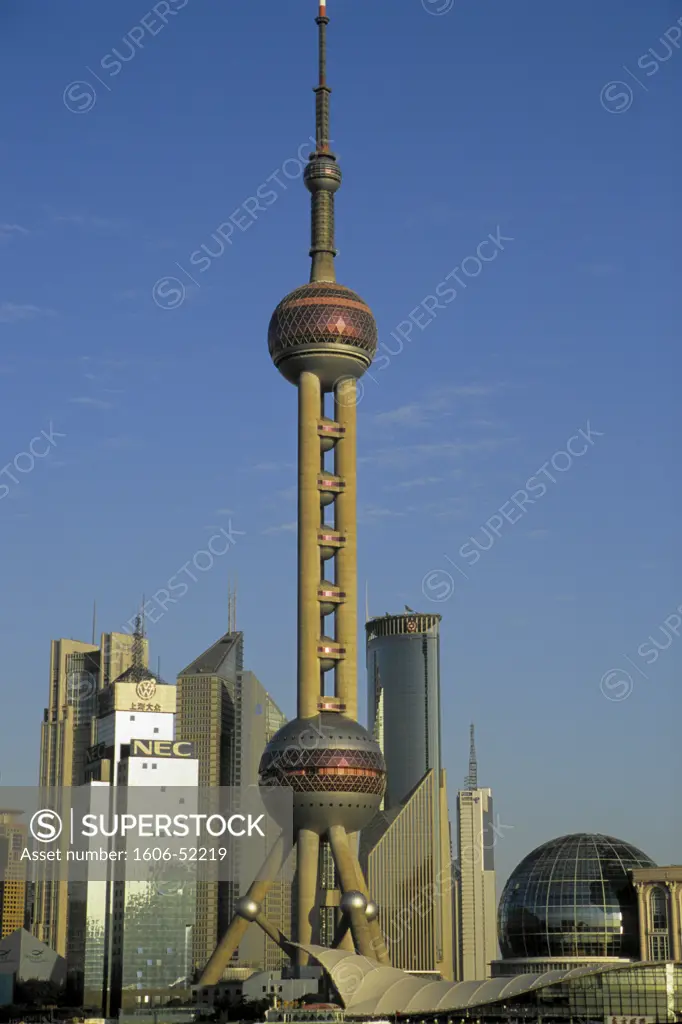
(161, 748)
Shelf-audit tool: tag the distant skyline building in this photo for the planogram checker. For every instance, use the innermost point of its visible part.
(78, 671)
(477, 884)
(407, 848)
(13, 840)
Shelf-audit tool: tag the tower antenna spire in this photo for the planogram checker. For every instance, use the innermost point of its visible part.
(232, 607)
(471, 781)
(322, 175)
(138, 666)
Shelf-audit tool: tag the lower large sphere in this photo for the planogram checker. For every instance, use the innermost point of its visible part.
(334, 768)
(324, 328)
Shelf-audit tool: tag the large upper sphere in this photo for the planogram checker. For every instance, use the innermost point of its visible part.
(572, 897)
(334, 767)
(325, 328)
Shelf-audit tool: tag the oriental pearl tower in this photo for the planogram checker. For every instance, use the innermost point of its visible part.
(322, 337)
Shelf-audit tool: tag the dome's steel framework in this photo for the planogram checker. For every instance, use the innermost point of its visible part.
(322, 338)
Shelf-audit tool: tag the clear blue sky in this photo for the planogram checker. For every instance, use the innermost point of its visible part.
(449, 127)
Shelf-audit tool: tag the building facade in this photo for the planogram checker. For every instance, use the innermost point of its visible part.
(477, 893)
(230, 718)
(152, 922)
(208, 715)
(407, 848)
(78, 672)
(477, 885)
(13, 839)
(136, 706)
(659, 906)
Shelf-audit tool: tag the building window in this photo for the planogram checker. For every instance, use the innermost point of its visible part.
(658, 947)
(659, 910)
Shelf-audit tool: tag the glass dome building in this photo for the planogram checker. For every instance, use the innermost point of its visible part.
(570, 899)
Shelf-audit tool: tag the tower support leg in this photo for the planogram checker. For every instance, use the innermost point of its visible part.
(308, 854)
(346, 867)
(378, 943)
(258, 890)
(344, 934)
(278, 937)
(341, 933)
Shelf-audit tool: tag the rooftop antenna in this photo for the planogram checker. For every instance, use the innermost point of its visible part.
(366, 600)
(471, 781)
(138, 666)
(232, 608)
(94, 621)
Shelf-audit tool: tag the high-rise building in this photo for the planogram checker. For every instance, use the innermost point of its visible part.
(208, 709)
(78, 672)
(208, 715)
(152, 921)
(230, 718)
(322, 337)
(136, 705)
(407, 848)
(13, 840)
(477, 893)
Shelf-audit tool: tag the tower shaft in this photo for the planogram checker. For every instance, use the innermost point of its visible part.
(309, 463)
(345, 459)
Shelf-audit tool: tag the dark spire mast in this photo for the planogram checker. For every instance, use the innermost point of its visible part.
(322, 175)
(138, 667)
(471, 781)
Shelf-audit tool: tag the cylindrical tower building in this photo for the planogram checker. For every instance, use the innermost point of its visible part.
(403, 697)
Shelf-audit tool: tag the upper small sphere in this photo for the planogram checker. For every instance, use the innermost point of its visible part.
(325, 328)
(322, 173)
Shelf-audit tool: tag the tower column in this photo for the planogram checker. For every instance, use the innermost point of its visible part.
(345, 397)
(348, 875)
(643, 921)
(674, 916)
(309, 518)
(308, 853)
